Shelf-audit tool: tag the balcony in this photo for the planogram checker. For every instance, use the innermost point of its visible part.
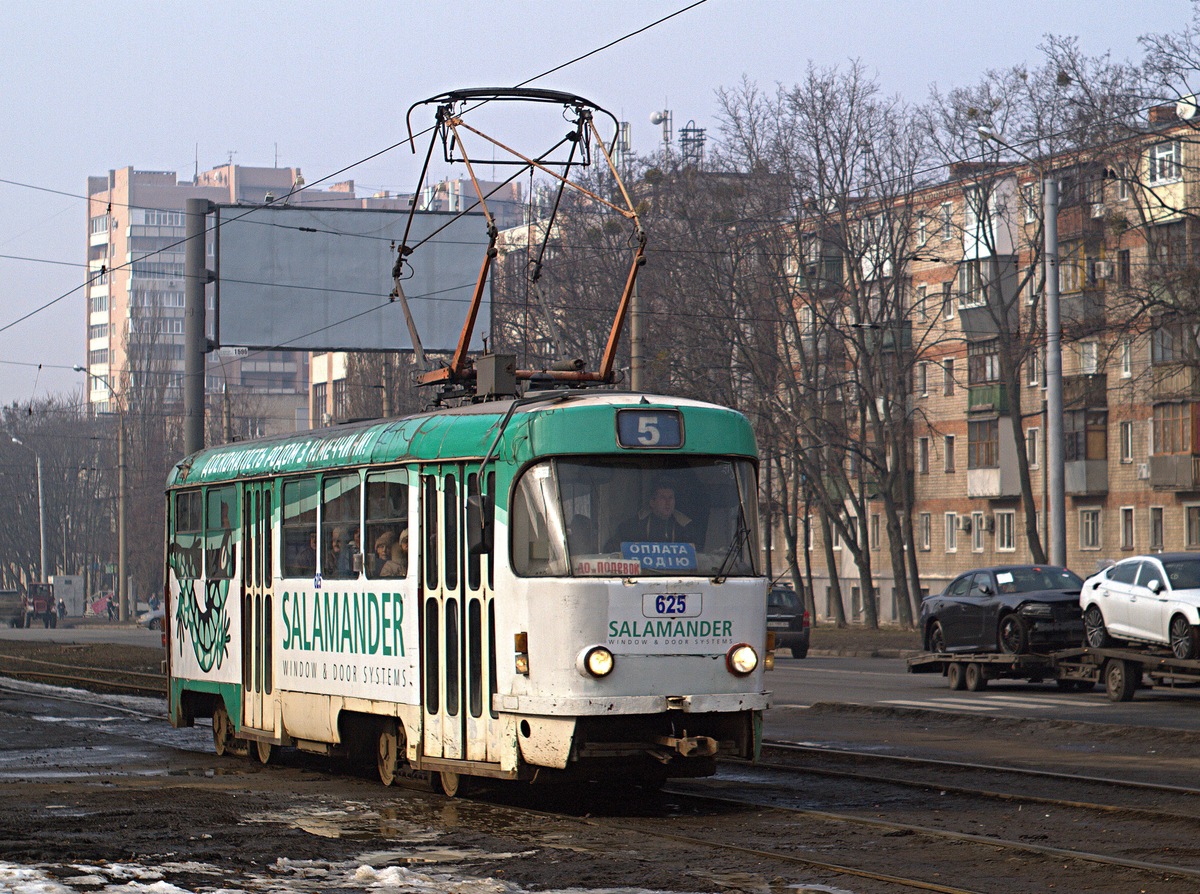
(1082, 312)
(1085, 392)
(996, 483)
(1173, 381)
(887, 337)
(1175, 471)
(981, 321)
(1085, 477)
(1081, 220)
(992, 398)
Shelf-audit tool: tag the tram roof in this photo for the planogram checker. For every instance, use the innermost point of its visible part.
(541, 425)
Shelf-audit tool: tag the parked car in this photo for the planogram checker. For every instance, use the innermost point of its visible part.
(788, 620)
(1007, 608)
(153, 619)
(1145, 599)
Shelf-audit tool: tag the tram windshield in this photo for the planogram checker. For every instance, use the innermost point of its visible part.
(609, 517)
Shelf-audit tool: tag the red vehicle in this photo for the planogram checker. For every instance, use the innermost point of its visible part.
(40, 605)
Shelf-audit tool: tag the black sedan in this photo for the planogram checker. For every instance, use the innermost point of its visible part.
(1008, 608)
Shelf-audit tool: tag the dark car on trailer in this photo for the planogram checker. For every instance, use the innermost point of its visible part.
(788, 620)
(1013, 609)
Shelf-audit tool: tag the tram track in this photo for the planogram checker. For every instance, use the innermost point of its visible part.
(101, 679)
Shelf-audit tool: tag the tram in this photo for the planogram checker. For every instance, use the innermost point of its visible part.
(524, 633)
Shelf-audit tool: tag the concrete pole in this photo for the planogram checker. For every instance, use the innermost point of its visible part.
(1057, 510)
(195, 341)
(41, 518)
(123, 608)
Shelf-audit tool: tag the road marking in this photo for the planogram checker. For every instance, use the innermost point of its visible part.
(943, 704)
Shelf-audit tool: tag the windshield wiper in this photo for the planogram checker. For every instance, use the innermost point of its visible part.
(740, 538)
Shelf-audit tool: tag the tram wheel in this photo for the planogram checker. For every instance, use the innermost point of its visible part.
(222, 731)
(955, 676)
(451, 783)
(974, 677)
(387, 751)
(264, 751)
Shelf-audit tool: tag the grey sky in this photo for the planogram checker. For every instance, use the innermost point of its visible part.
(88, 87)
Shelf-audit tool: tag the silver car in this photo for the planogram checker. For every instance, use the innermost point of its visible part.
(1145, 599)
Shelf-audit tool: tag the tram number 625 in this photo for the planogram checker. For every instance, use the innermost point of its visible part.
(671, 605)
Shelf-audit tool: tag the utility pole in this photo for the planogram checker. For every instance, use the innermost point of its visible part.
(635, 339)
(195, 340)
(1056, 475)
(123, 607)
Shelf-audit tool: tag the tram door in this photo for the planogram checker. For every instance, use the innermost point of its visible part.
(457, 617)
(258, 654)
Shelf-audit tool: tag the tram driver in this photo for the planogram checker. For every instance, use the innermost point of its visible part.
(658, 522)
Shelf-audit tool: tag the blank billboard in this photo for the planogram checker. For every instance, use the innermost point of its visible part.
(308, 279)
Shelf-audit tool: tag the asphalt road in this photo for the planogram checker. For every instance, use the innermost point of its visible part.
(121, 634)
(885, 682)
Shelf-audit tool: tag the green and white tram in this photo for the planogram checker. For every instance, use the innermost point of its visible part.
(542, 622)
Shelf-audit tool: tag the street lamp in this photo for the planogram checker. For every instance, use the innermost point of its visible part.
(123, 607)
(41, 508)
(1055, 474)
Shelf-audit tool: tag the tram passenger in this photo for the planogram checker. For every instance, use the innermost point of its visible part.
(397, 565)
(658, 522)
(337, 560)
(383, 553)
(303, 559)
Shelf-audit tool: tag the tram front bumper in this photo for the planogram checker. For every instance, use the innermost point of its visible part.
(580, 706)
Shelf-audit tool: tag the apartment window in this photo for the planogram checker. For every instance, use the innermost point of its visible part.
(976, 532)
(1071, 267)
(948, 376)
(339, 399)
(1156, 527)
(1089, 528)
(98, 224)
(1031, 285)
(923, 456)
(972, 283)
(1123, 178)
(983, 363)
(875, 531)
(1192, 514)
(1124, 268)
(948, 446)
(99, 303)
(318, 403)
(983, 444)
(1006, 531)
(1033, 369)
(1127, 527)
(98, 331)
(922, 228)
(1126, 442)
(947, 214)
(925, 531)
(1164, 161)
(1126, 359)
(98, 357)
(947, 301)
(921, 380)
(921, 308)
(1086, 434)
(951, 532)
(1031, 193)
(1089, 357)
(1172, 428)
(1031, 446)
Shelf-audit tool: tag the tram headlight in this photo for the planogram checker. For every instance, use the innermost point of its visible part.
(741, 659)
(595, 661)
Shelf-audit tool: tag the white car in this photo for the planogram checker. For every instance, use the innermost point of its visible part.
(1145, 599)
(152, 619)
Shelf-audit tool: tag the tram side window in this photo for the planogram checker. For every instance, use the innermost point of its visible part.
(538, 539)
(340, 536)
(220, 520)
(187, 553)
(387, 524)
(300, 527)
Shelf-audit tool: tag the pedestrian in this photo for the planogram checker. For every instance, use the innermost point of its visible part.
(112, 607)
(62, 608)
